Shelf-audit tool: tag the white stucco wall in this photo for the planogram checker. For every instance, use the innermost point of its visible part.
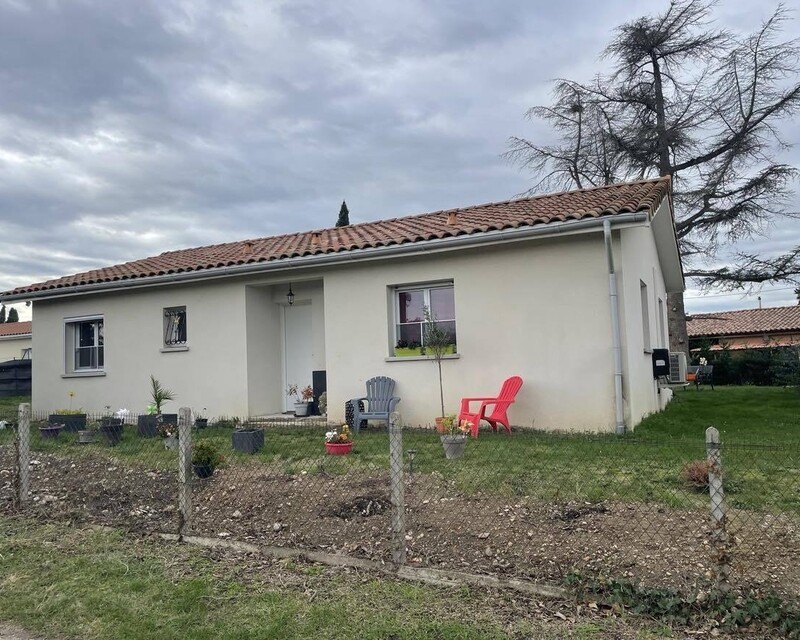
(212, 373)
(11, 347)
(539, 310)
(639, 263)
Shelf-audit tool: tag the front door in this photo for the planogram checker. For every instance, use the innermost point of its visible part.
(297, 349)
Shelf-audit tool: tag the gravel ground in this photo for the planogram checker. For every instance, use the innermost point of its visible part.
(542, 541)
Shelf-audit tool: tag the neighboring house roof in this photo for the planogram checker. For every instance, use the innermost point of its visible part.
(744, 322)
(15, 329)
(632, 197)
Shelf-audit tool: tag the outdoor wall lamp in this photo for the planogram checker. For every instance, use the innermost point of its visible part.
(290, 295)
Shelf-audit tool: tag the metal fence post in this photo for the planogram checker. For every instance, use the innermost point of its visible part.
(719, 532)
(398, 490)
(184, 470)
(23, 455)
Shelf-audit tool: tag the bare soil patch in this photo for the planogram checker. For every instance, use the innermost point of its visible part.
(486, 533)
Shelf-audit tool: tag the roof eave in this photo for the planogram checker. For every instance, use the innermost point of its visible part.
(552, 229)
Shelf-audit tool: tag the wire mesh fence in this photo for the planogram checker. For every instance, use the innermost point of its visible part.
(529, 505)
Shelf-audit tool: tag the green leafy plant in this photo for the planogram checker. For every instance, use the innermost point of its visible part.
(205, 454)
(159, 394)
(438, 341)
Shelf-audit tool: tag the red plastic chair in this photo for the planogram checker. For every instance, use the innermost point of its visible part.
(498, 415)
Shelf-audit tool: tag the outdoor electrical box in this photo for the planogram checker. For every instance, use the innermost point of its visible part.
(660, 363)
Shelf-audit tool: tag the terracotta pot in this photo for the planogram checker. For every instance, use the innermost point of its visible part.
(338, 448)
(440, 425)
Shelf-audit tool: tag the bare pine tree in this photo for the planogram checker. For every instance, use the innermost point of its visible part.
(697, 103)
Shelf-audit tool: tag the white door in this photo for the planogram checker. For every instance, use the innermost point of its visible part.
(297, 349)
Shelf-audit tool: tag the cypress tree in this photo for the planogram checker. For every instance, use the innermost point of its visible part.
(2, 313)
(13, 316)
(344, 216)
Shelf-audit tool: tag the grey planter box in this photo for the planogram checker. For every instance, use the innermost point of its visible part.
(147, 426)
(71, 421)
(248, 440)
(454, 446)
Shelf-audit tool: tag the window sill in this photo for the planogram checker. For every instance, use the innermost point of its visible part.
(83, 374)
(174, 349)
(449, 356)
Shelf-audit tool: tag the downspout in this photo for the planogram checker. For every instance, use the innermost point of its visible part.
(619, 414)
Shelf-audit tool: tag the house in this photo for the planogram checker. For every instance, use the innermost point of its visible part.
(567, 290)
(745, 328)
(15, 341)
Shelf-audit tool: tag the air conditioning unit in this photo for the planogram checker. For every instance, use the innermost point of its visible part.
(677, 367)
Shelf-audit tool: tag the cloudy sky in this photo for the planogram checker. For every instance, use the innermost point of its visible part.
(130, 128)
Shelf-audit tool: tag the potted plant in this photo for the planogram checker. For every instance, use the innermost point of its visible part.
(88, 435)
(72, 419)
(454, 439)
(205, 459)
(200, 421)
(301, 398)
(111, 427)
(247, 439)
(148, 424)
(109, 420)
(50, 430)
(438, 341)
(339, 442)
(169, 431)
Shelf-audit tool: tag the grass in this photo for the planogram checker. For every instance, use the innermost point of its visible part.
(759, 427)
(88, 584)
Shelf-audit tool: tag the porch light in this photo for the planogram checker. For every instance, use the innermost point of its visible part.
(290, 295)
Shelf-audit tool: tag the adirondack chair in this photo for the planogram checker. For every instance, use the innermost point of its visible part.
(500, 405)
(379, 402)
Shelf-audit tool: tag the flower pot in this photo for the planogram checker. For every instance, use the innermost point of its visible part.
(247, 440)
(112, 433)
(108, 421)
(87, 436)
(338, 448)
(50, 431)
(439, 424)
(200, 423)
(171, 443)
(71, 421)
(147, 426)
(203, 470)
(300, 409)
(454, 446)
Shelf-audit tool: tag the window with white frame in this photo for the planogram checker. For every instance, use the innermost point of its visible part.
(174, 327)
(410, 325)
(85, 344)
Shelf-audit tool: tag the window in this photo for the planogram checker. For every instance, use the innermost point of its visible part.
(84, 340)
(645, 316)
(411, 329)
(175, 326)
(662, 332)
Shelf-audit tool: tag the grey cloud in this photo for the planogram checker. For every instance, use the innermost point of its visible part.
(130, 128)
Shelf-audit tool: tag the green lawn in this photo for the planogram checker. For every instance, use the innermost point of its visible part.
(88, 584)
(759, 426)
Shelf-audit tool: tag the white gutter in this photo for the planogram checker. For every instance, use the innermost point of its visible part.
(619, 414)
(343, 257)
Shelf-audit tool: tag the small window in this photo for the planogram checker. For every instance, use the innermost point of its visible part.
(174, 326)
(662, 331)
(411, 328)
(85, 345)
(645, 316)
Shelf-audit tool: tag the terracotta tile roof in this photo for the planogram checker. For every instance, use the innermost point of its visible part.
(15, 329)
(744, 321)
(644, 195)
